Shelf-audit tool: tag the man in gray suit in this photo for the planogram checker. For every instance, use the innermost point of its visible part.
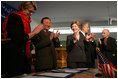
(45, 43)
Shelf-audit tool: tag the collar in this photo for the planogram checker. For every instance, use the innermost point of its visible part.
(82, 33)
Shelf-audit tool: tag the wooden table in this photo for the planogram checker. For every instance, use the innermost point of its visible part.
(86, 74)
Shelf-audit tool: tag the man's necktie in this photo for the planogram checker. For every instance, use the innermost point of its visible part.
(47, 33)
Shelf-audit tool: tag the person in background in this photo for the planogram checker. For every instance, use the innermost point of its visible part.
(45, 43)
(75, 47)
(90, 45)
(108, 47)
(17, 55)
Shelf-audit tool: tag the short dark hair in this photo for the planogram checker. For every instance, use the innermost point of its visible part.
(75, 22)
(45, 18)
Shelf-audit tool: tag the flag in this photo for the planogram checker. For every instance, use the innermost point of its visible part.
(105, 66)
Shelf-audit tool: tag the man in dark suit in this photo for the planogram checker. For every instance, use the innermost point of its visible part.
(108, 47)
(45, 43)
(90, 45)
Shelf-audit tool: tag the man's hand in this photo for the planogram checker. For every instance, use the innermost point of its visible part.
(56, 34)
(52, 35)
(99, 41)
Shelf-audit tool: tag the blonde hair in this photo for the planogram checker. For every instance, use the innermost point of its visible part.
(75, 22)
(27, 4)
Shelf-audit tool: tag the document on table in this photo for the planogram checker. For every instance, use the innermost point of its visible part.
(82, 69)
(66, 70)
(54, 75)
(30, 76)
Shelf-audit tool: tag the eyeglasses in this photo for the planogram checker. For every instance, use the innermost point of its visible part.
(30, 11)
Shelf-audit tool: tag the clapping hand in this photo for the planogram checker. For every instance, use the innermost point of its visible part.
(52, 35)
(38, 28)
(99, 41)
(56, 34)
(90, 37)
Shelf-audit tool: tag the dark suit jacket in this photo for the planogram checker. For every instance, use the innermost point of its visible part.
(90, 49)
(76, 51)
(109, 49)
(45, 50)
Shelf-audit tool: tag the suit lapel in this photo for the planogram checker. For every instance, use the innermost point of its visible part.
(79, 42)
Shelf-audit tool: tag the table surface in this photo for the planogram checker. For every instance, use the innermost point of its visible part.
(86, 74)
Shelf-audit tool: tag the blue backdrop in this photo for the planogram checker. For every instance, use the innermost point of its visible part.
(5, 10)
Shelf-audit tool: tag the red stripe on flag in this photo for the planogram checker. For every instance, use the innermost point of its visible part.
(107, 70)
(112, 72)
(106, 66)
